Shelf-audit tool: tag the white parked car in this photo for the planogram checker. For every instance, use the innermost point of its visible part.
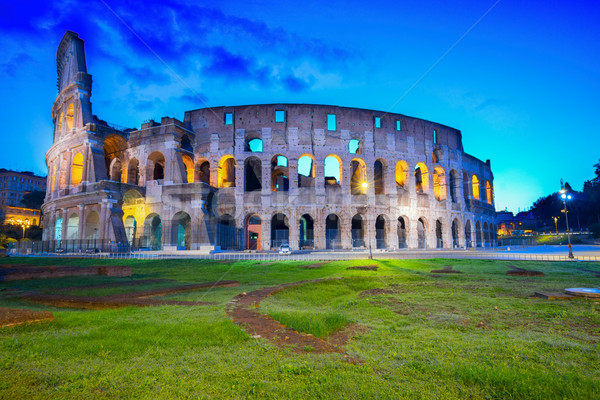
(285, 249)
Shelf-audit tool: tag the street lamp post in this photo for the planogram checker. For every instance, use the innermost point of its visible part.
(556, 224)
(365, 185)
(565, 196)
(23, 223)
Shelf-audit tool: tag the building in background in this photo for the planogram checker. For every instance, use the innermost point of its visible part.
(13, 186)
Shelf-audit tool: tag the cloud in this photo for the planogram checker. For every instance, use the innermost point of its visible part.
(294, 84)
(13, 64)
(145, 76)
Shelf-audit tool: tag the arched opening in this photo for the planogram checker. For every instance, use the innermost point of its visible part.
(306, 231)
(58, 229)
(226, 232)
(486, 234)
(70, 116)
(354, 146)
(59, 123)
(358, 231)
(333, 170)
(91, 228)
(402, 229)
(54, 177)
(153, 232)
(439, 183)
(455, 231)
(114, 148)
(453, 186)
(380, 232)
(156, 161)
(421, 234)
(489, 193)
(254, 145)
(332, 232)
(252, 174)
(306, 171)
(133, 172)
(130, 229)
(475, 187)
(478, 235)
(280, 173)
(226, 172)
(204, 172)
(253, 232)
(421, 178)
(468, 240)
(73, 227)
(77, 169)
(401, 173)
(189, 168)
(115, 170)
(186, 144)
(181, 230)
(280, 230)
(358, 177)
(466, 187)
(379, 168)
(438, 234)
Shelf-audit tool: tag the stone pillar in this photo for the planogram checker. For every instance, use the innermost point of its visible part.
(345, 221)
(294, 229)
(104, 221)
(266, 232)
(65, 223)
(81, 209)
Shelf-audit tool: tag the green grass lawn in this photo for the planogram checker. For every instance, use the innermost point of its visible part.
(450, 336)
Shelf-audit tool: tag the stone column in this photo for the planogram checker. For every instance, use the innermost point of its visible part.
(294, 229)
(81, 209)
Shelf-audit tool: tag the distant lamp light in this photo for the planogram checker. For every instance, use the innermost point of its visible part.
(564, 196)
(365, 185)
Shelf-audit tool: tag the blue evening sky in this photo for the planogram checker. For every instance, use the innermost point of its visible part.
(522, 85)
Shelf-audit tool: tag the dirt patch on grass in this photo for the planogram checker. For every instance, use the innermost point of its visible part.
(13, 316)
(138, 299)
(242, 308)
(114, 284)
(516, 271)
(446, 270)
(365, 267)
(314, 266)
(375, 292)
(25, 272)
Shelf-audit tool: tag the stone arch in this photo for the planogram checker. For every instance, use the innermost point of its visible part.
(478, 234)
(306, 232)
(73, 227)
(422, 233)
(455, 233)
(466, 187)
(181, 230)
(475, 187)
(358, 231)
(203, 170)
(226, 172)
(358, 177)
(280, 230)
(70, 116)
(130, 224)
(254, 145)
(332, 166)
(381, 236)
(59, 123)
(354, 146)
(189, 168)
(306, 170)
(115, 170)
(226, 232)
(280, 174)
(253, 228)
(156, 164)
(91, 227)
(439, 183)
(380, 175)
(114, 147)
(133, 172)
(421, 178)
(252, 174)
(453, 186)
(439, 234)
(77, 169)
(468, 238)
(489, 193)
(401, 173)
(153, 231)
(332, 232)
(402, 230)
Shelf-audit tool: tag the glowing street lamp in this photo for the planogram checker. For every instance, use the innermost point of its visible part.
(23, 223)
(556, 224)
(566, 196)
(365, 185)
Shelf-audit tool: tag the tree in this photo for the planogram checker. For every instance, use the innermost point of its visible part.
(33, 199)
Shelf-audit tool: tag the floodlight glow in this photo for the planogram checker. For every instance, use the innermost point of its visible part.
(365, 184)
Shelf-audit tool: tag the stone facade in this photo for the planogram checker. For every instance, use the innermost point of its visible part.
(253, 177)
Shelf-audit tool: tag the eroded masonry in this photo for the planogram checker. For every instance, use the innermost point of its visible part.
(257, 176)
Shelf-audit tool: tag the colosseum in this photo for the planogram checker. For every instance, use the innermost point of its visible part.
(256, 176)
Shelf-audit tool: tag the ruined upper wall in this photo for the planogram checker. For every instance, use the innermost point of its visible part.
(70, 59)
(253, 118)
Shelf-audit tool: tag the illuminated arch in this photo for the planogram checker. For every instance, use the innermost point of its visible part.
(421, 178)
(91, 228)
(226, 172)
(115, 170)
(77, 169)
(475, 187)
(156, 162)
(70, 116)
(439, 183)
(189, 168)
(401, 173)
(358, 177)
(489, 193)
(280, 174)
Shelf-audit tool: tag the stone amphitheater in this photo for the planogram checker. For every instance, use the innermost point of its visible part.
(257, 176)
